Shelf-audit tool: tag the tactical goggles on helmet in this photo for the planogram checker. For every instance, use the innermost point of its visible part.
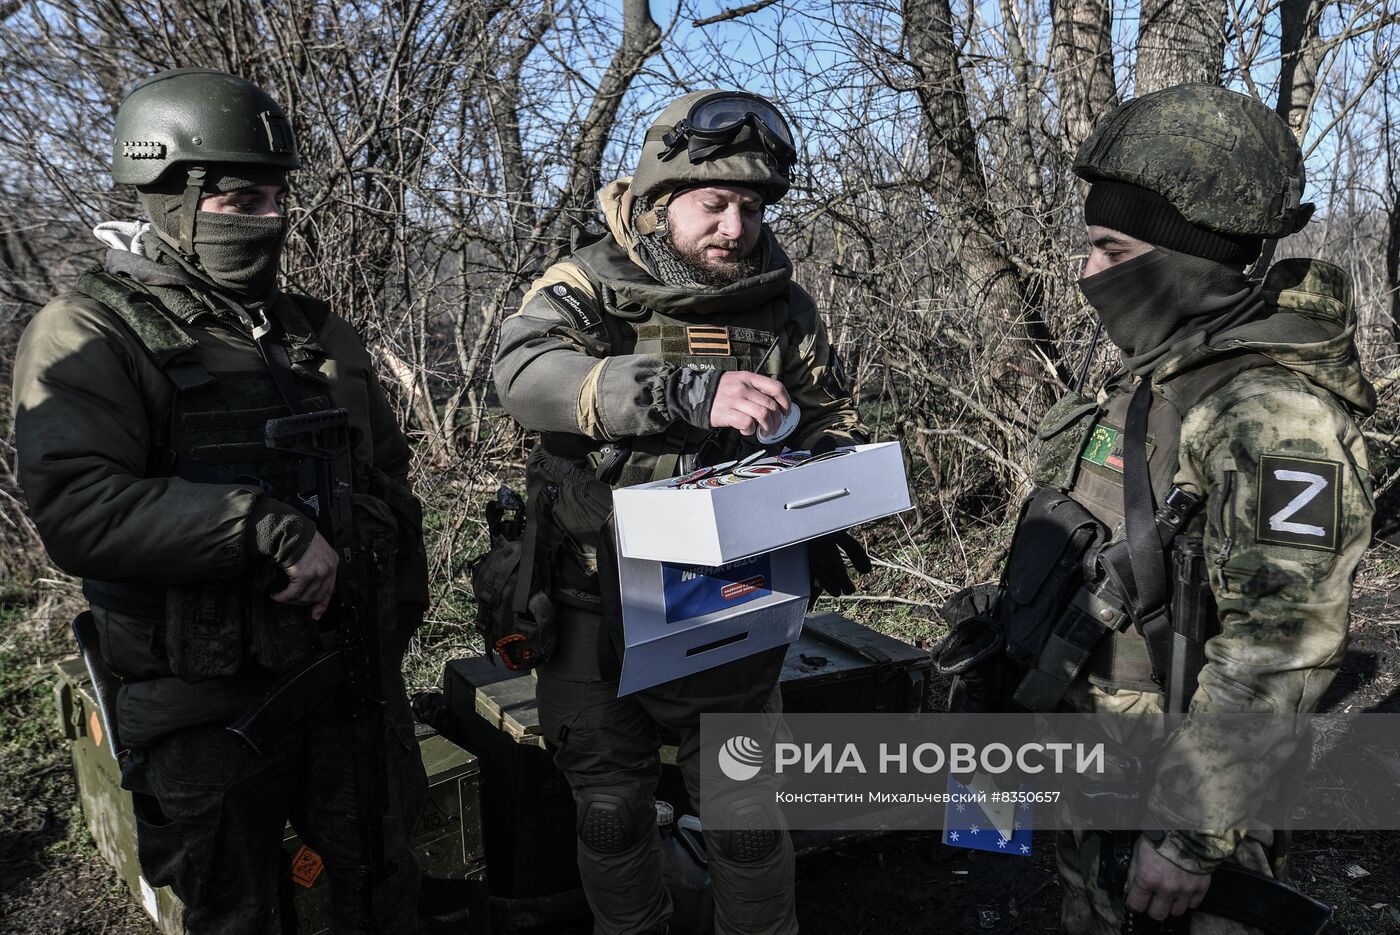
(716, 120)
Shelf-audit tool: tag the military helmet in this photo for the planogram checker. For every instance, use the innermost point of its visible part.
(717, 138)
(197, 115)
(1224, 161)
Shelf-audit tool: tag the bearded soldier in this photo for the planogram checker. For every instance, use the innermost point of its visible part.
(144, 405)
(1227, 445)
(667, 343)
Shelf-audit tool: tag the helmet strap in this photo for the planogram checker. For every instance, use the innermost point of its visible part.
(1257, 270)
(194, 190)
(653, 220)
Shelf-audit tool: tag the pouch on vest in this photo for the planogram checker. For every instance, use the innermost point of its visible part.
(514, 614)
(411, 555)
(1046, 565)
(205, 631)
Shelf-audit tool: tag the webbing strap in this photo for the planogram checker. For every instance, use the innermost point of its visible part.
(189, 208)
(1145, 550)
(529, 543)
(1080, 630)
(270, 348)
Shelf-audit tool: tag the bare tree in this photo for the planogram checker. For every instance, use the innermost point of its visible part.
(1083, 62)
(1179, 42)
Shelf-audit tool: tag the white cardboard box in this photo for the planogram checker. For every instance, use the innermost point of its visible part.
(717, 525)
(680, 619)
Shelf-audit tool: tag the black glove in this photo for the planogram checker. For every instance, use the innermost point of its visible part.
(827, 557)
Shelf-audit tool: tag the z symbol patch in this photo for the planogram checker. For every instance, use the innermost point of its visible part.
(1300, 500)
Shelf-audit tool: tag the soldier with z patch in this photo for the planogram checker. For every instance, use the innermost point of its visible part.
(1226, 445)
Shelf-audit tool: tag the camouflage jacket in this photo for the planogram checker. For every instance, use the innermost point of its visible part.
(553, 378)
(1277, 456)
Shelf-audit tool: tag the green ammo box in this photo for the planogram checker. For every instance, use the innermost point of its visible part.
(447, 839)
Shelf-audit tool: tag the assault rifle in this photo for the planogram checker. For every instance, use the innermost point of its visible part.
(351, 665)
(1236, 893)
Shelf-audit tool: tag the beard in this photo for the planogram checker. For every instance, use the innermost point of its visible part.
(708, 271)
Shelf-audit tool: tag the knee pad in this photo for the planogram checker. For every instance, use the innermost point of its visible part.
(752, 835)
(610, 820)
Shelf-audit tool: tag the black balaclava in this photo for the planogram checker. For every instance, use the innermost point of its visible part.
(667, 264)
(232, 252)
(1190, 282)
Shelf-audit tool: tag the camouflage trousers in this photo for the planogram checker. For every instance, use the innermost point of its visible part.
(609, 750)
(210, 818)
(1088, 909)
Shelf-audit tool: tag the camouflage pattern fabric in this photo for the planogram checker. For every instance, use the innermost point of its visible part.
(595, 366)
(1089, 910)
(1163, 141)
(1282, 467)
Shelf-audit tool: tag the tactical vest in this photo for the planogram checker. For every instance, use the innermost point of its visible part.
(705, 331)
(214, 435)
(1082, 456)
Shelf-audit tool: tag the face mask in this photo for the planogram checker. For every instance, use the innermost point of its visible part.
(1150, 302)
(238, 252)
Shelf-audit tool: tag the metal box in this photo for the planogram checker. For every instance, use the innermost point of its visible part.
(448, 837)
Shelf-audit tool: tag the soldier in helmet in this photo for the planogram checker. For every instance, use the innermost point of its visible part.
(140, 405)
(1227, 444)
(670, 341)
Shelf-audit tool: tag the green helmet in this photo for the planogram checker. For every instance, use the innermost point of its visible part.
(717, 138)
(1224, 161)
(198, 116)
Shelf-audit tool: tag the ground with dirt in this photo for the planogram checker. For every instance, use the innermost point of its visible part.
(52, 882)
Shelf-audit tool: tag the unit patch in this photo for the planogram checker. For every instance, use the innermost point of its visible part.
(708, 341)
(1300, 500)
(576, 306)
(1105, 448)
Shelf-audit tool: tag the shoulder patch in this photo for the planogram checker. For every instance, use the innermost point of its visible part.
(1300, 502)
(576, 306)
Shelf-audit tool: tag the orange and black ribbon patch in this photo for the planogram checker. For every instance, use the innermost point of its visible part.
(708, 341)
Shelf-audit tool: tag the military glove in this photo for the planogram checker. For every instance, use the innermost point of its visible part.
(827, 557)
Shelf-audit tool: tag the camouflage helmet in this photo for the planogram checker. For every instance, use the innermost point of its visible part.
(198, 116)
(752, 146)
(1224, 161)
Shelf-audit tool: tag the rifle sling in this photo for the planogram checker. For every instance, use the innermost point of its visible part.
(289, 698)
(1148, 590)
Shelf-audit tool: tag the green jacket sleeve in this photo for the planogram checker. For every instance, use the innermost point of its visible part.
(1287, 517)
(85, 396)
(553, 378)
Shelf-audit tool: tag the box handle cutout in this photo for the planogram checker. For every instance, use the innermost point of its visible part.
(706, 647)
(819, 498)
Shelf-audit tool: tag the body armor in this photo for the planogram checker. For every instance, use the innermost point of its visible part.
(214, 435)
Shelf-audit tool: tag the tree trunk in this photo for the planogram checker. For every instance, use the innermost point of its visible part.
(1179, 42)
(1301, 51)
(999, 299)
(1082, 57)
(641, 39)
